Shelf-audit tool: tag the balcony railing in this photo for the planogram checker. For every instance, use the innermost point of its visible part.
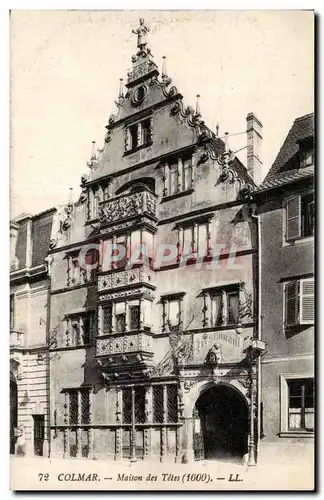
(129, 206)
(139, 343)
(17, 339)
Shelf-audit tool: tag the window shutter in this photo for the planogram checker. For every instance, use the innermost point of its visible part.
(306, 301)
(291, 292)
(293, 217)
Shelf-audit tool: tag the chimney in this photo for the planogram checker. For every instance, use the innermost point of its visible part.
(254, 143)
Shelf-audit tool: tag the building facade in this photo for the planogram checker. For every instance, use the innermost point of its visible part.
(166, 315)
(286, 207)
(153, 353)
(29, 302)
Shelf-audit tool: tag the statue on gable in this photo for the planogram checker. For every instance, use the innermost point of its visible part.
(214, 356)
(141, 35)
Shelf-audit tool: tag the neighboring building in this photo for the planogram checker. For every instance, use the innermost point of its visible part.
(286, 208)
(29, 391)
(157, 360)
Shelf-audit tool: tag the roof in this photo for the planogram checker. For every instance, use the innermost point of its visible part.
(286, 167)
(41, 228)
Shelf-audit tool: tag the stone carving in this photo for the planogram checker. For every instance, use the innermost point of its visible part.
(127, 293)
(141, 32)
(214, 356)
(128, 206)
(188, 384)
(124, 278)
(128, 343)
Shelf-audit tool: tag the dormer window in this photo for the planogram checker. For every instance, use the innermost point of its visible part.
(138, 135)
(306, 152)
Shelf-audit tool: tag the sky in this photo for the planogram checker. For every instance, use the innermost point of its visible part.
(64, 78)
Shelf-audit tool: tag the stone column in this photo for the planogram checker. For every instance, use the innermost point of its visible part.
(79, 430)
(148, 417)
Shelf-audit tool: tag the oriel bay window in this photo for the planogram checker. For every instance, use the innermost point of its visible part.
(221, 306)
(126, 316)
(131, 248)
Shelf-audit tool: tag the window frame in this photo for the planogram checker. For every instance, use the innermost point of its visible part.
(140, 136)
(165, 302)
(284, 430)
(299, 301)
(301, 224)
(222, 291)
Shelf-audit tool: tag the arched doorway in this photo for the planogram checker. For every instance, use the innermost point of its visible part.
(221, 424)
(13, 414)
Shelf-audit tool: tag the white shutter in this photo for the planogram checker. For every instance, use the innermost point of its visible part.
(291, 303)
(293, 218)
(306, 301)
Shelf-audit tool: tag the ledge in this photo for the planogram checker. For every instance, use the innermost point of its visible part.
(142, 146)
(177, 195)
(296, 434)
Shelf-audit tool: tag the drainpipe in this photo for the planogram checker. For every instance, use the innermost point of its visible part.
(259, 326)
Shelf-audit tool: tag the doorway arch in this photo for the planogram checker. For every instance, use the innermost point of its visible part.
(13, 414)
(220, 424)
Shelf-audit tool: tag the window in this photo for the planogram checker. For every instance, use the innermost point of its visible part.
(120, 322)
(299, 302)
(74, 269)
(133, 136)
(146, 132)
(306, 152)
(172, 311)
(79, 329)
(158, 404)
(120, 317)
(306, 158)
(107, 319)
(301, 404)
(12, 311)
(79, 406)
(194, 238)
(300, 216)
(165, 403)
(139, 134)
(177, 176)
(134, 317)
(221, 306)
(139, 405)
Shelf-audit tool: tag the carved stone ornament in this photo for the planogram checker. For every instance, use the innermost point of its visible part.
(214, 356)
(138, 95)
(128, 206)
(188, 384)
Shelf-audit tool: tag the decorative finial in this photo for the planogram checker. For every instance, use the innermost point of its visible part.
(217, 129)
(121, 89)
(226, 143)
(70, 196)
(93, 162)
(93, 150)
(164, 67)
(198, 105)
(141, 35)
